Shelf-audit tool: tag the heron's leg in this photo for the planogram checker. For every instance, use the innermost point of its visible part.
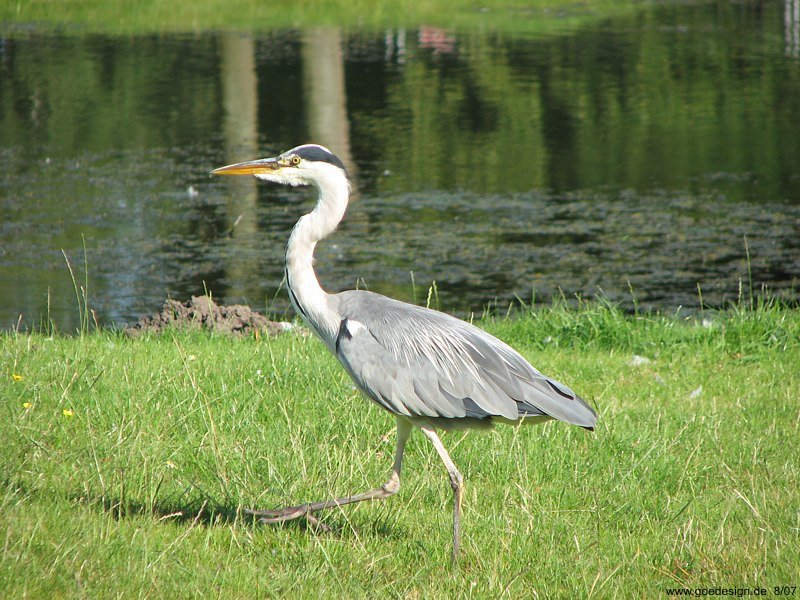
(456, 482)
(389, 488)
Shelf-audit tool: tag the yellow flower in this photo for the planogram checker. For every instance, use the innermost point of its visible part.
(16, 377)
(67, 412)
(26, 405)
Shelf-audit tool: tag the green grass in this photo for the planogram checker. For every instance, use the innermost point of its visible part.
(159, 16)
(691, 478)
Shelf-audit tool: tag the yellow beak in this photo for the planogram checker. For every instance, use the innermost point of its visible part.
(252, 167)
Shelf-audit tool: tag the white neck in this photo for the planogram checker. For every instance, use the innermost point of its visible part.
(308, 297)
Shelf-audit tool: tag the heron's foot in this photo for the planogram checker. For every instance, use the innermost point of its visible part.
(288, 514)
(306, 510)
(278, 516)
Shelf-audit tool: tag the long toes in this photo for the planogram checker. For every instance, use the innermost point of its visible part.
(277, 516)
(315, 522)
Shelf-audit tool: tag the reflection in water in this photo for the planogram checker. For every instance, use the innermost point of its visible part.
(642, 151)
(439, 40)
(325, 90)
(240, 104)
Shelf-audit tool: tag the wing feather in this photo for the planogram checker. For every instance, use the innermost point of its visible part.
(422, 363)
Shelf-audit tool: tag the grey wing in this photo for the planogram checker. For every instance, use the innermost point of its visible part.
(418, 362)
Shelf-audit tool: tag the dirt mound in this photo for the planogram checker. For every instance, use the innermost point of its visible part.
(201, 312)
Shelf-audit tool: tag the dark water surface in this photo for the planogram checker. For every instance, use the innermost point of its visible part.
(650, 152)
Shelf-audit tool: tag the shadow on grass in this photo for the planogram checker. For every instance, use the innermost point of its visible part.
(207, 513)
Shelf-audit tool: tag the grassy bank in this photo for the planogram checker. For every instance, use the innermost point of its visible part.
(158, 16)
(125, 462)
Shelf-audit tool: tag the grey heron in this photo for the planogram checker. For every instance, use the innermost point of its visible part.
(428, 368)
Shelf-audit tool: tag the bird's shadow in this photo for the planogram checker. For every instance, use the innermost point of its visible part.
(206, 512)
(198, 512)
(209, 513)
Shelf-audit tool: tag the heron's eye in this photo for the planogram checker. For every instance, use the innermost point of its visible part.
(295, 160)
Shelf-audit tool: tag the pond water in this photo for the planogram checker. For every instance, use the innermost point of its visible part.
(647, 156)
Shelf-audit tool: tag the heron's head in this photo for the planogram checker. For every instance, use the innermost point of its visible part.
(305, 165)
